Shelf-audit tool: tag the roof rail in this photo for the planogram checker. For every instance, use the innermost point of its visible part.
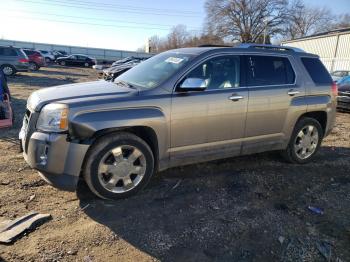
(209, 45)
(273, 47)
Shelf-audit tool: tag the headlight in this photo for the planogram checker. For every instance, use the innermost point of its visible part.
(33, 101)
(53, 118)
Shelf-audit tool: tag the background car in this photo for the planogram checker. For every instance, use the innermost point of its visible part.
(121, 66)
(339, 74)
(36, 60)
(6, 113)
(49, 56)
(58, 54)
(13, 60)
(344, 93)
(76, 60)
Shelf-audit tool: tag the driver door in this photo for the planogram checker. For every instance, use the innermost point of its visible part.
(208, 120)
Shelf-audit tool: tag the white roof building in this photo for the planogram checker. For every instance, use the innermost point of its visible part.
(332, 47)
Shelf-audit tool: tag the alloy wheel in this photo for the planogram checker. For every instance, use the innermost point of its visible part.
(306, 142)
(8, 70)
(122, 169)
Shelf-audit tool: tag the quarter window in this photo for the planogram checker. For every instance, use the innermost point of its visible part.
(269, 70)
(216, 73)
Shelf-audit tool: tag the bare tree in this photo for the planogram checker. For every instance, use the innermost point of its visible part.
(246, 20)
(304, 20)
(342, 22)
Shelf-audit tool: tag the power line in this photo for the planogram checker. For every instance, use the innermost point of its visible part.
(87, 23)
(81, 6)
(95, 19)
(129, 7)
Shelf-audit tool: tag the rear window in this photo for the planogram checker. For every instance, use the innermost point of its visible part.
(269, 70)
(316, 70)
(29, 52)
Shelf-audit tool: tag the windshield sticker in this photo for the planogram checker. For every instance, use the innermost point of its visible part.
(174, 60)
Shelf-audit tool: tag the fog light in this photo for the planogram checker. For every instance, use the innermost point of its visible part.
(43, 160)
(43, 157)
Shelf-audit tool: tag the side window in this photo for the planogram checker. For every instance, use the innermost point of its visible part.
(269, 70)
(215, 73)
(9, 52)
(316, 70)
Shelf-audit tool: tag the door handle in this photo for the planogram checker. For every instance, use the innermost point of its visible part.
(235, 98)
(293, 92)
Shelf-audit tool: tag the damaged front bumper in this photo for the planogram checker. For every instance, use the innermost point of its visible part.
(58, 161)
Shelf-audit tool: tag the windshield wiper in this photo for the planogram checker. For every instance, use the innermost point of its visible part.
(125, 84)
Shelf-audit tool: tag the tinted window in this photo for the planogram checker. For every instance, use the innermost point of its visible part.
(269, 70)
(29, 52)
(7, 51)
(316, 70)
(216, 73)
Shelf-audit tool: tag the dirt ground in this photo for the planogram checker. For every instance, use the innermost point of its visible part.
(252, 208)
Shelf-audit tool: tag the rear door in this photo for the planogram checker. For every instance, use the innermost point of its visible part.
(273, 86)
(209, 124)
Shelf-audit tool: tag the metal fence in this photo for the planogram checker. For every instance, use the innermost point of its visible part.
(98, 53)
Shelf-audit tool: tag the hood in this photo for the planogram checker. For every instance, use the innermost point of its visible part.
(82, 92)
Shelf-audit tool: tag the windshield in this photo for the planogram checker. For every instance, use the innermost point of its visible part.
(155, 70)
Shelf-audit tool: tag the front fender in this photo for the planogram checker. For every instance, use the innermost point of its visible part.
(84, 125)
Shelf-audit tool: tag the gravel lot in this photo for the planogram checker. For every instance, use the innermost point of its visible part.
(252, 208)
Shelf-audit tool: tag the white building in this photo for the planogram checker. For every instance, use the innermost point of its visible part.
(332, 47)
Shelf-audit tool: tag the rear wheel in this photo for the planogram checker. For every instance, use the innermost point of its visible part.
(118, 166)
(33, 66)
(8, 70)
(305, 141)
(62, 63)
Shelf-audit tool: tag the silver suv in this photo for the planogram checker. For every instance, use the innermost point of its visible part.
(13, 60)
(179, 107)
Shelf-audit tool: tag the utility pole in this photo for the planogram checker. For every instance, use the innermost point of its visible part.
(265, 30)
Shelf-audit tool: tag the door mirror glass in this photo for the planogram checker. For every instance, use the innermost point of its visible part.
(193, 84)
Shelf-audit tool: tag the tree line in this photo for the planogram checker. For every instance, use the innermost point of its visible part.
(252, 21)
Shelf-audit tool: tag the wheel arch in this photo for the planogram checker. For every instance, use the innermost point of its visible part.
(320, 116)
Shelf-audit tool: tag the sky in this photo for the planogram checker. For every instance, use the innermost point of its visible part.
(114, 24)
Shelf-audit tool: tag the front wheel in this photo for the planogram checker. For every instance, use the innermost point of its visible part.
(118, 166)
(304, 142)
(86, 64)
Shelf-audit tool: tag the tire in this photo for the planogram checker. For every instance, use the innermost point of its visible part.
(294, 153)
(86, 64)
(8, 70)
(33, 66)
(48, 60)
(62, 63)
(105, 172)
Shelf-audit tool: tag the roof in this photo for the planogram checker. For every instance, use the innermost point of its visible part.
(328, 33)
(246, 48)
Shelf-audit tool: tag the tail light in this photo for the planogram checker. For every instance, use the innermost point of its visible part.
(23, 60)
(334, 89)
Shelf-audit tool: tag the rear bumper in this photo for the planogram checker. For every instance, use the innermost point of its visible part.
(58, 161)
(23, 67)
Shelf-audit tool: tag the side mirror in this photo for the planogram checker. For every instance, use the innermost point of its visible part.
(193, 84)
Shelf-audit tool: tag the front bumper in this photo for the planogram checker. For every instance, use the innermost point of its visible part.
(58, 161)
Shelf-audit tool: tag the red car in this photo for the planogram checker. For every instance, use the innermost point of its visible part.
(36, 60)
